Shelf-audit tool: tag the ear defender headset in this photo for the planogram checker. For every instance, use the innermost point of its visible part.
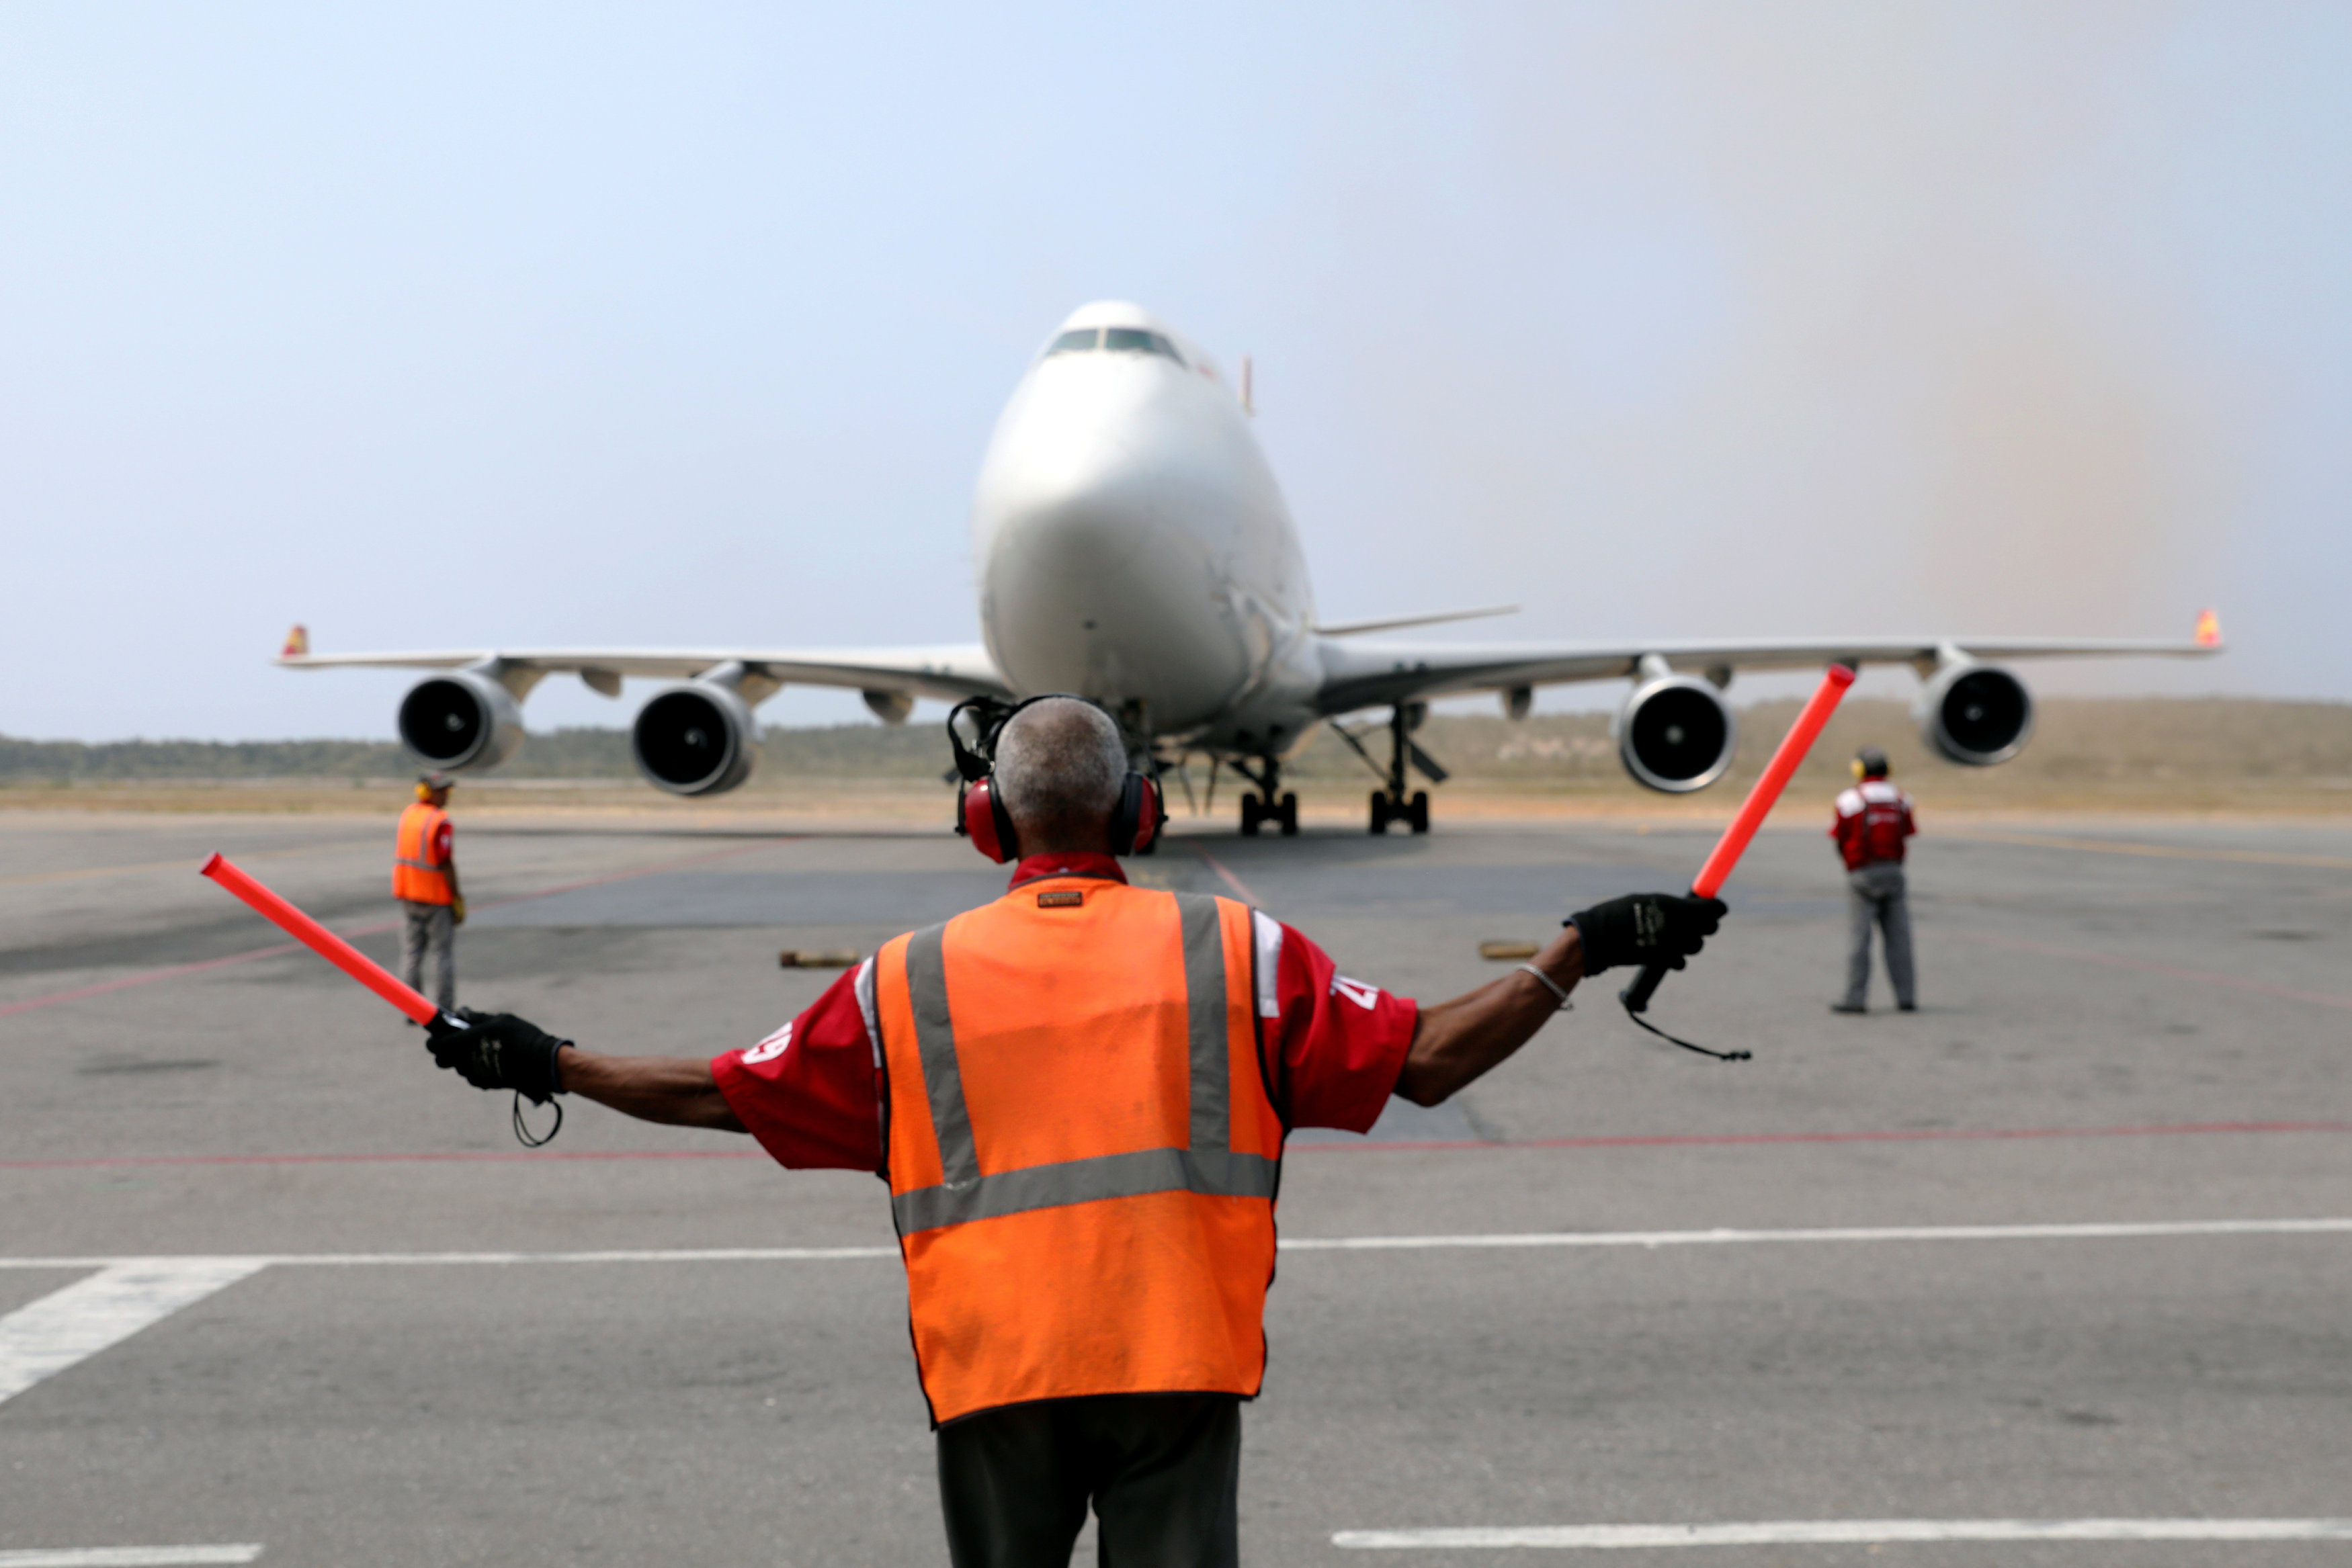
(982, 817)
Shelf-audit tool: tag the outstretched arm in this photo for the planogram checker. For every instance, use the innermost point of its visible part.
(677, 1091)
(1455, 1042)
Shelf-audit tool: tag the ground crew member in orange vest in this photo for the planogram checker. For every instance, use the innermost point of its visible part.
(424, 880)
(1078, 1095)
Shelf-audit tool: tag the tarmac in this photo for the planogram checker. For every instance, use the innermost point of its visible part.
(2072, 1243)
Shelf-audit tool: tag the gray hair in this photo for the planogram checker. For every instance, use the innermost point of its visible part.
(1060, 760)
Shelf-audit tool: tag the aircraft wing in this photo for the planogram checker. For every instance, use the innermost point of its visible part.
(950, 674)
(1362, 674)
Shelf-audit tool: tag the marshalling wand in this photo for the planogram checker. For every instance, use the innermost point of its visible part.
(323, 942)
(1728, 848)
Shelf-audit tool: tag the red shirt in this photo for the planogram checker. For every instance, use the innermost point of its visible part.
(812, 1091)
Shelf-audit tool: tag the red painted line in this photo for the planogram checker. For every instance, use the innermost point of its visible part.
(1367, 1146)
(1241, 888)
(2145, 965)
(173, 972)
(1901, 1136)
(493, 1157)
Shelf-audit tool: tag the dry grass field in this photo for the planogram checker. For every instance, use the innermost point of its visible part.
(2170, 756)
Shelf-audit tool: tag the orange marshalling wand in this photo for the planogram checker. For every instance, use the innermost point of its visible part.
(320, 940)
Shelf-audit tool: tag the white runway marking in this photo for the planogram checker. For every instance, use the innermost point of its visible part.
(44, 1337)
(128, 1557)
(1850, 1533)
(2127, 1230)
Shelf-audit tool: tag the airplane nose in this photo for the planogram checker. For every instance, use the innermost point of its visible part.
(1097, 570)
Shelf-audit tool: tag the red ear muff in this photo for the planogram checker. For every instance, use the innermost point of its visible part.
(1133, 825)
(988, 825)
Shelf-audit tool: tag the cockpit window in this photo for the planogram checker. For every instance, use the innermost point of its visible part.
(1135, 340)
(1115, 340)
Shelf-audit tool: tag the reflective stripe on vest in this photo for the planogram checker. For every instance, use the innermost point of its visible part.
(414, 876)
(1208, 1166)
(1082, 1152)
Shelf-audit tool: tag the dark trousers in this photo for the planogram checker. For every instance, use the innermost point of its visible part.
(1162, 1470)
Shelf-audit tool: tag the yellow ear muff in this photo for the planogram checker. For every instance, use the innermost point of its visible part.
(424, 793)
(1856, 765)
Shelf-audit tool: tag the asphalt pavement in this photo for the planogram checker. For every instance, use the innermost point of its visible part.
(2074, 1243)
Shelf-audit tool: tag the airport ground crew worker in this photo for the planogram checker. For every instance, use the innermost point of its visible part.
(1874, 819)
(425, 881)
(1078, 1096)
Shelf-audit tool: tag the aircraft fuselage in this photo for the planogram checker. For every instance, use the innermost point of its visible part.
(1133, 546)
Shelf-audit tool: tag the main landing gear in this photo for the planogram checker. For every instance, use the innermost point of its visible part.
(1271, 804)
(1395, 803)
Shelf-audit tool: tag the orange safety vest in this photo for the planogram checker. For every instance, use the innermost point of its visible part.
(1082, 1151)
(416, 876)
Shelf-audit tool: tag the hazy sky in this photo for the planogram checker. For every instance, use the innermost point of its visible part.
(687, 324)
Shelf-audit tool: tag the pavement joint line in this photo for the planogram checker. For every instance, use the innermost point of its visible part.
(2150, 966)
(1645, 1239)
(174, 971)
(2158, 852)
(128, 1557)
(1845, 1532)
(1363, 1145)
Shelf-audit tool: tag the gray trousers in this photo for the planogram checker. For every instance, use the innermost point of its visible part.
(429, 928)
(1876, 897)
(1162, 1470)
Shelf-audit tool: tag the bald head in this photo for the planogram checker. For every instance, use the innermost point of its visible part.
(1060, 764)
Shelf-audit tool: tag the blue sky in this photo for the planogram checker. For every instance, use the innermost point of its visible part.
(595, 324)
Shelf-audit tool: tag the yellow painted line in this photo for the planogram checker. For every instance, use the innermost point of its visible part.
(2158, 852)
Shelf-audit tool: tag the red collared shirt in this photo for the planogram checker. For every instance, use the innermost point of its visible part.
(812, 1091)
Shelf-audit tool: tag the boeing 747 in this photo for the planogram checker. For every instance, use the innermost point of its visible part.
(1134, 548)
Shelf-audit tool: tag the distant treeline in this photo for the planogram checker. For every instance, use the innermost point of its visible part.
(2076, 740)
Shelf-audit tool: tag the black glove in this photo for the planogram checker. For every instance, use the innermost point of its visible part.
(1646, 928)
(497, 1050)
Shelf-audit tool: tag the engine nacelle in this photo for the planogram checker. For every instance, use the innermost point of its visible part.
(462, 720)
(1976, 714)
(695, 740)
(1676, 734)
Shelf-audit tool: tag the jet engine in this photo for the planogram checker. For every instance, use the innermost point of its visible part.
(1974, 714)
(1675, 732)
(462, 720)
(696, 739)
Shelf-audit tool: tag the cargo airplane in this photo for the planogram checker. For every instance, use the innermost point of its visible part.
(1133, 546)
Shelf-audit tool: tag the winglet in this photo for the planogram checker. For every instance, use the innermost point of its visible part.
(2208, 630)
(297, 643)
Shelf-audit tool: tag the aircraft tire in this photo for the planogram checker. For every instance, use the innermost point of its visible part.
(1380, 811)
(1252, 814)
(1416, 815)
(1289, 816)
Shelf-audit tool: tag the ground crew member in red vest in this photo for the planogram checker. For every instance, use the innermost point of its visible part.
(1078, 1095)
(424, 880)
(1874, 819)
